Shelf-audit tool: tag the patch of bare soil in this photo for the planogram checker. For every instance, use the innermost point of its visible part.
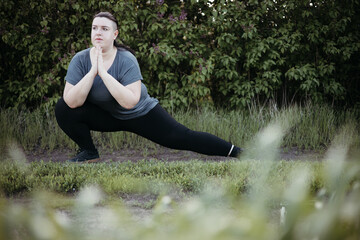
(159, 153)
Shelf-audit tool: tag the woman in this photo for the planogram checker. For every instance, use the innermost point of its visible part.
(104, 92)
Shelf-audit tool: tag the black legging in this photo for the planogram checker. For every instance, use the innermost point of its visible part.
(157, 126)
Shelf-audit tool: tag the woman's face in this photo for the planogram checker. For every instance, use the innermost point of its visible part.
(103, 32)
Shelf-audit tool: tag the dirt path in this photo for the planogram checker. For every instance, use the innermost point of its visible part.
(160, 153)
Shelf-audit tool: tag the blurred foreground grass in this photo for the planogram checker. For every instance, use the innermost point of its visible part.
(255, 198)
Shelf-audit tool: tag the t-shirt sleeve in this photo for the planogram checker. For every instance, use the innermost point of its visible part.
(75, 71)
(132, 73)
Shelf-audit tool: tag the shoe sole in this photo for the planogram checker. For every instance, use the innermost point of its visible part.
(95, 160)
(92, 160)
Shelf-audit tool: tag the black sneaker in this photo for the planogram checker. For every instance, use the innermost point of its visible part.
(86, 156)
(236, 152)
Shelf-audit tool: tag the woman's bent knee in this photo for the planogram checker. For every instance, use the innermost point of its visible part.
(60, 106)
(62, 110)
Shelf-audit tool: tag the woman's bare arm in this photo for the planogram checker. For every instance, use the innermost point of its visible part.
(127, 96)
(75, 95)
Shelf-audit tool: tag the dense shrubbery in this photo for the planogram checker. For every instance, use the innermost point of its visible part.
(192, 53)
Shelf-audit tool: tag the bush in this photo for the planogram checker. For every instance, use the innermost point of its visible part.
(192, 53)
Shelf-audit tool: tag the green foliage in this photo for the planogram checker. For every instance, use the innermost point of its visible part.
(191, 53)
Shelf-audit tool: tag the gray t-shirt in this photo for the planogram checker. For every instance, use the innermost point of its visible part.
(124, 69)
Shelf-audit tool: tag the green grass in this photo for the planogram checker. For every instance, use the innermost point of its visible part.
(144, 177)
(312, 127)
(222, 200)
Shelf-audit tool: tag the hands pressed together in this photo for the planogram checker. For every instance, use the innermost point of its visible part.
(97, 62)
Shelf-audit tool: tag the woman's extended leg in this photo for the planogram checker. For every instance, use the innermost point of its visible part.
(160, 127)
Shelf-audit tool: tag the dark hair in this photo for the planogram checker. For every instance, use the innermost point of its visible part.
(112, 18)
